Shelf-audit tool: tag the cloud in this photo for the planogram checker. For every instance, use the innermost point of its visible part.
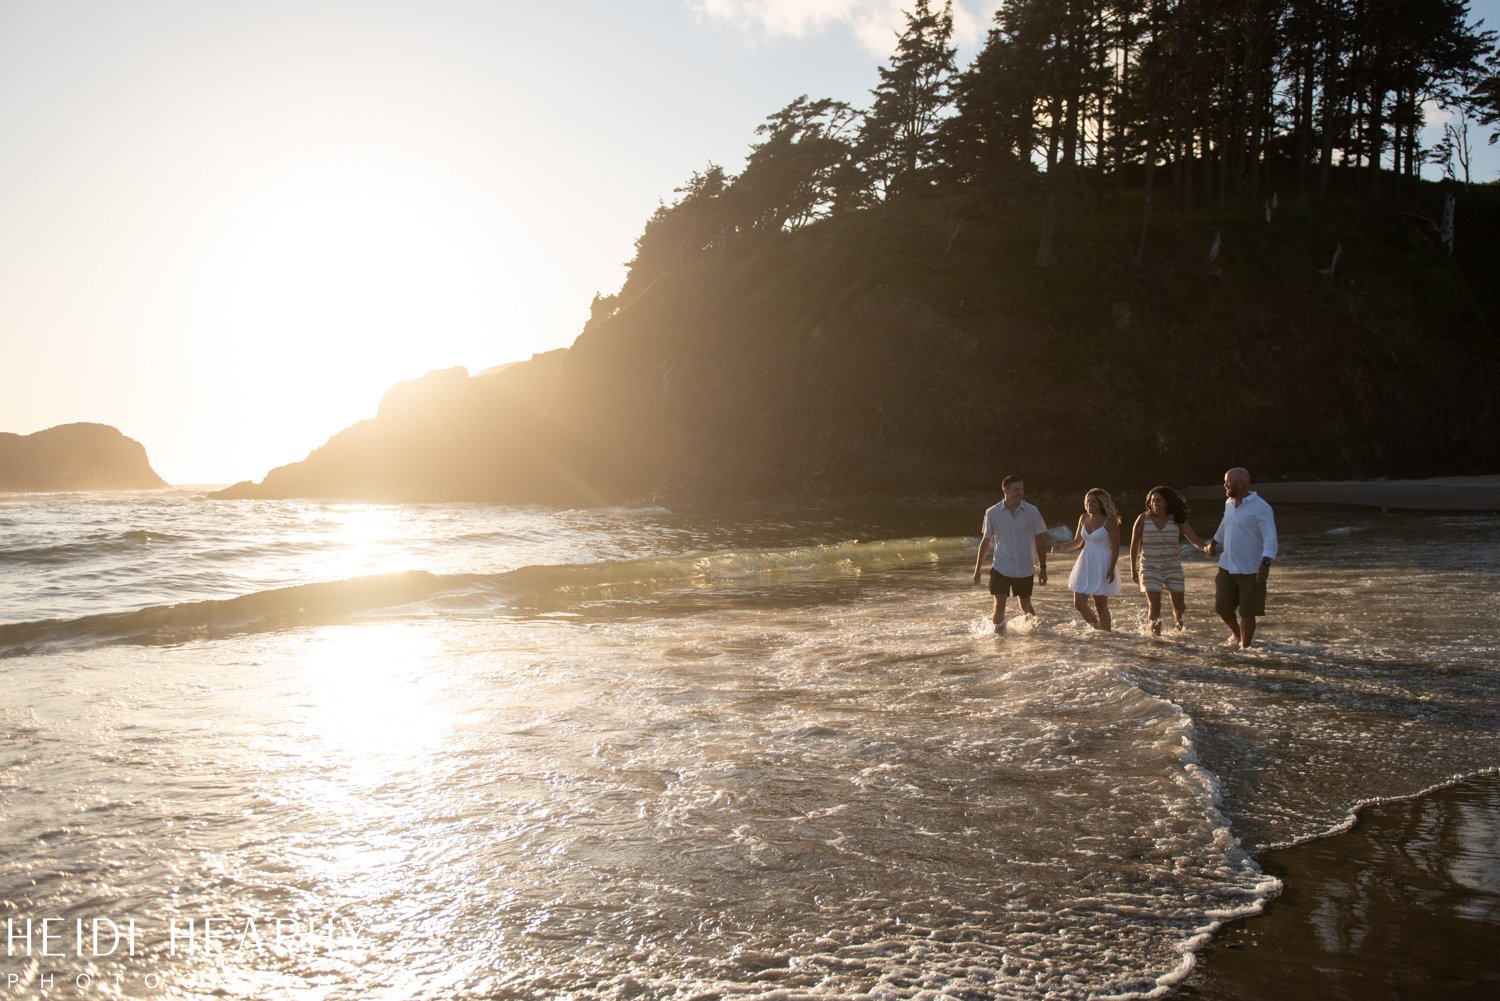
(875, 23)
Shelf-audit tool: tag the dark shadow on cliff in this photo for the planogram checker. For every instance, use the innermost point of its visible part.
(916, 349)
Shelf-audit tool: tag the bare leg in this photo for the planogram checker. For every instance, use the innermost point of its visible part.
(1102, 604)
(1179, 607)
(1247, 630)
(999, 616)
(1025, 604)
(1081, 602)
(1153, 611)
(1234, 628)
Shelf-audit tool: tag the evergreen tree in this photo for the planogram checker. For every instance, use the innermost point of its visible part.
(1068, 93)
(994, 131)
(1406, 54)
(1485, 94)
(899, 139)
(800, 171)
(697, 222)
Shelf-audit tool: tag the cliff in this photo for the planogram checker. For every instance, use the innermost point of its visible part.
(882, 354)
(918, 349)
(75, 457)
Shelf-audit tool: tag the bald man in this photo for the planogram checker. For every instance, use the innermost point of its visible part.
(1246, 546)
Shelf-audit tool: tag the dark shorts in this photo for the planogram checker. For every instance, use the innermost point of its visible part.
(1244, 593)
(1002, 586)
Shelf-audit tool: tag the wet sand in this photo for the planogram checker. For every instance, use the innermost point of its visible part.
(1405, 905)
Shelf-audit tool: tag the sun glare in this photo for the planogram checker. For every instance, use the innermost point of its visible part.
(365, 689)
(324, 289)
(327, 258)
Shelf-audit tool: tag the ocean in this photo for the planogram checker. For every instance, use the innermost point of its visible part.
(297, 749)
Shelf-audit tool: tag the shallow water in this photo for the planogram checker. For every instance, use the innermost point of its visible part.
(634, 754)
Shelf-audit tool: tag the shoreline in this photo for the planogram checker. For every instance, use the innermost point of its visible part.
(1404, 903)
(1466, 494)
(1472, 494)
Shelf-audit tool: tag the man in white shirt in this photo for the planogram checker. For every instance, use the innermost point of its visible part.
(1246, 545)
(1014, 531)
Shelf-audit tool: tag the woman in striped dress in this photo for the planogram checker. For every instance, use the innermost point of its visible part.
(1156, 552)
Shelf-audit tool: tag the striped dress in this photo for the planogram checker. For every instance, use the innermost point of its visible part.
(1161, 556)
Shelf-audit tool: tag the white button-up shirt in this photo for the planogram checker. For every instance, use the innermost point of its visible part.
(1247, 534)
(1015, 535)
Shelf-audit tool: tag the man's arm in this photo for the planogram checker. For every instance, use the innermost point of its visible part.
(1268, 534)
(1041, 542)
(1268, 542)
(985, 545)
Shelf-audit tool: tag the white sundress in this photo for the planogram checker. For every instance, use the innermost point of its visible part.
(1092, 565)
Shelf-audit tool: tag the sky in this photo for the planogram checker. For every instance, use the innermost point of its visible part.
(227, 228)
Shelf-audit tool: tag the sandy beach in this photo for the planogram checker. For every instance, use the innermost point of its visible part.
(1406, 904)
(1441, 493)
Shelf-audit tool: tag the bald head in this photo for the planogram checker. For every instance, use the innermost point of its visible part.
(1237, 482)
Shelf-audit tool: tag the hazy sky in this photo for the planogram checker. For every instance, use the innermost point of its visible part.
(228, 228)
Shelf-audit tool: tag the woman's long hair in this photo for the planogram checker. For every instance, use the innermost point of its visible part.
(1177, 505)
(1105, 499)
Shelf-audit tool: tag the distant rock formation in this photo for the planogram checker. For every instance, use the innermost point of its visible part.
(75, 457)
(445, 436)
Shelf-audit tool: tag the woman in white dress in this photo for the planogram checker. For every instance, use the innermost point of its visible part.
(1093, 573)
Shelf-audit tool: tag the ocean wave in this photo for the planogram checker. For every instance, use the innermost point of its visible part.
(102, 544)
(331, 601)
(304, 604)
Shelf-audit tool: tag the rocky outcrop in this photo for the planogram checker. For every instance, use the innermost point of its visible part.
(445, 436)
(75, 457)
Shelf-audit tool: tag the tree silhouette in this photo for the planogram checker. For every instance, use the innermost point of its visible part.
(800, 171)
(1066, 95)
(899, 139)
(1485, 94)
(698, 221)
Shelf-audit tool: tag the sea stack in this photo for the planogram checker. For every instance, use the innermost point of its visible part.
(75, 457)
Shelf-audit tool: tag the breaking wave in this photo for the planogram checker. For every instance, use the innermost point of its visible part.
(326, 602)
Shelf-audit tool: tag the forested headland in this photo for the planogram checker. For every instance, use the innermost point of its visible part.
(1132, 241)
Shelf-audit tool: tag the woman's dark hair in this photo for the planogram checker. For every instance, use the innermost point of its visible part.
(1177, 505)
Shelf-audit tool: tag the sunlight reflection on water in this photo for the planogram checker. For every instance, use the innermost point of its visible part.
(821, 781)
(367, 699)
